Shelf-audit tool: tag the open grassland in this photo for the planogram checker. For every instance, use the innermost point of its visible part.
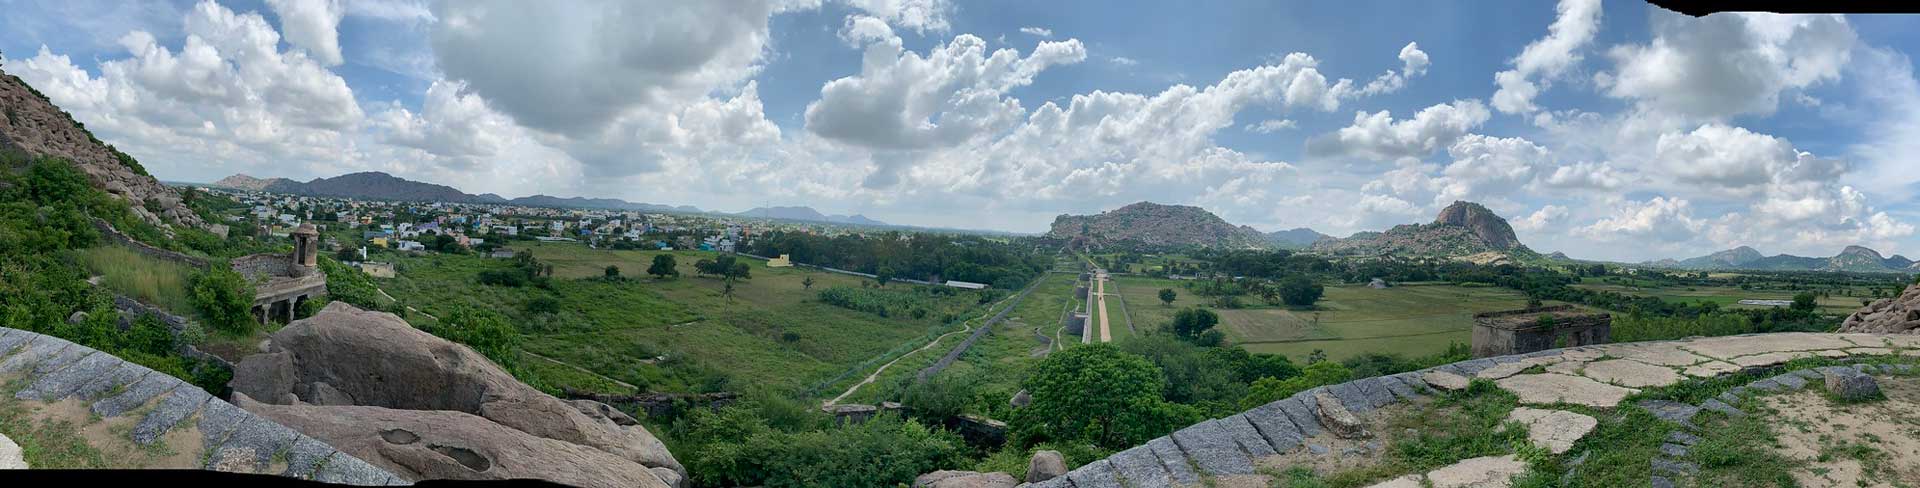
(1411, 320)
(150, 280)
(673, 335)
(995, 365)
(1726, 296)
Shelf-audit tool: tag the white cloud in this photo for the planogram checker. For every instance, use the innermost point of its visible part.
(312, 25)
(1270, 126)
(1735, 159)
(918, 15)
(1547, 216)
(1378, 136)
(1548, 57)
(1660, 219)
(1413, 64)
(1037, 31)
(1123, 61)
(1719, 66)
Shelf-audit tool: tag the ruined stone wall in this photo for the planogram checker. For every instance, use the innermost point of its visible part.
(110, 234)
(262, 265)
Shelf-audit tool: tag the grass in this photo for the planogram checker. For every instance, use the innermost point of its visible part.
(1412, 320)
(1456, 426)
(773, 333)
(150, 280)
(46, 444)
(1726, 296)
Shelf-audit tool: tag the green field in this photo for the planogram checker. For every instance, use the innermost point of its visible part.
(1726, 296)
(1411, 320)
(773, 334)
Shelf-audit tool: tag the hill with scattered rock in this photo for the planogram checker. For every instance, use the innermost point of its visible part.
(31, 124)
(1462, 229)
(1296, 238)
(1851, 259)
(1155, 225)
(245, 182)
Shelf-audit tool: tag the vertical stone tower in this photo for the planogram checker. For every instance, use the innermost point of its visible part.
(306, 249)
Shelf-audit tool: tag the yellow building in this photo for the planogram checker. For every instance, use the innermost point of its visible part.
(378, 241)
(780, 262)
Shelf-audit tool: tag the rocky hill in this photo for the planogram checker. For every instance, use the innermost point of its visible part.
(1296, 238)
(31, 124)
(1462, 229)
(245, 182)
(1852, 258)
(375, 185)
(1155, 225)
(807, 214)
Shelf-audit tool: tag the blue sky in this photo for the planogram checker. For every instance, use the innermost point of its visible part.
(1615, 130)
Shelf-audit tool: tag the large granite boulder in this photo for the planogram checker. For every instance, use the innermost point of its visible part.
(449, 445)
(964, 479)
(345, 356)
(1045, 465)
(1897, 315)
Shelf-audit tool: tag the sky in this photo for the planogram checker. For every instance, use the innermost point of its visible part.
(1612, 130)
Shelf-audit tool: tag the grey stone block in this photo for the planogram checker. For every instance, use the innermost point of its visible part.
(1247, 436)
(1139, 467)
(1676, 412)
(1273, 424)
(1176, 462)
(14, 340)
(124, 375)
(259, 436)
(1766, 385)
(1301, 415)
(1397, 385)
(1852, 385)
(1058, 482)
(305, 457)
(1452, 368)
(1097, 474)
(1511, 358)
(1673, 450)
(1660, 482)
(349, 470)
(1350, 396)
(1719, 406)
(73, 353)
(41, 348)
(1727, 397)
(1683, 438)
(1806, 374)
(1792, 382)
(1212, 449)
(178, 405)
(1375, 390)
(136, 394)
(1661, 465)
(1471, 367)
(218, 420)
(60, 383)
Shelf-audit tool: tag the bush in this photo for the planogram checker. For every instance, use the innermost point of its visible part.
(1189, 323)
(484, 331)
(781, 443)
(1322, 373)
(1099, 395)
(1300, 291)
(225, 300)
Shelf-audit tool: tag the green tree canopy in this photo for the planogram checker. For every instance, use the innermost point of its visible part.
(663, 266)
(1098, 394)
(1300, 291)
(1167, 296)
(1190, 322)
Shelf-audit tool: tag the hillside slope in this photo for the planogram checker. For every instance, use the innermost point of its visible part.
(1852, 258)
(31, 124)
(1156, 225)
(1460, 230)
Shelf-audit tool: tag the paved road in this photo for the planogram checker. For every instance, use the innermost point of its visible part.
(1098, 311)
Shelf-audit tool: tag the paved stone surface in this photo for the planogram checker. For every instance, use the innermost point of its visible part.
(1445, 380)
(173, 410)
(1791, 381)
(1211, 449)
(1541, 389)
(1349, 395)
(116, 380)
(1173, 460)
(1512, 368)
(263, 438)
(1480, 472)
(1097, 474)
(1375, 391)
(1631, 374)
(1273, 424)
(33, 352)
(1408, 481)
(64, 381)
(1671, 411)
(1711, 369)
(11, 457)
(1716, 405)
(1683, 438)
(1674, 467)
(1139, 467)
(1249, 438)
(1397, 384)
(1769, 359)
(1658, 354)
(151, 385)
(1302, 417)
(1553, 430)
(1735, 346)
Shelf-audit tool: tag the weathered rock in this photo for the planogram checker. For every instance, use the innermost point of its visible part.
(964, 479)
(31, 124)
(1045, 465)
(670, 477)
(1338, 419)
(1553, 430)
(1480, 472)
(1899, 315)
(1021, 399)
(441, 444)
(1851, 385)
(347, 355)
(11, 457)
(1632, 374)
(1445, 380)
(1548, 388)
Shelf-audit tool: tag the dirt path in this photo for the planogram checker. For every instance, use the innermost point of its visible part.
(584, 370)
(875, 376)
(409, 307)
(1106, 331)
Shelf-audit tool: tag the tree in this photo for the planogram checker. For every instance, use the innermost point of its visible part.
(1190, 322)
(740, 271)
(1167, 297)
(1097, 394)
(883, 275)
(224, 299)
(1266, 390)
(727, 291)
(483, 330)
(1804, 303)
(1299, 291)
(703, 267)
(807, 283)
(612, 271)
(663, 266)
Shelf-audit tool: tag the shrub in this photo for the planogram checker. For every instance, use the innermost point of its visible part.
(1322, 373)
(485, 331)
(1100, 395)
(224, 299)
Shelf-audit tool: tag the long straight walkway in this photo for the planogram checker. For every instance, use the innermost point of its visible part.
(1097, 310)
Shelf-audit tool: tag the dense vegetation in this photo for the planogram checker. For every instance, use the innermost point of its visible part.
(919, 256)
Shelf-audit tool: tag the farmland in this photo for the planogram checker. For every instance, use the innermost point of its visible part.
(1833, 301)
(677, 334)
(1411, 320)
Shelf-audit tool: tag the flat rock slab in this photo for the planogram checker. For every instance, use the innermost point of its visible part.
(1736, 346)
(1566, 367)
(1658, 354)
(1212, 449)
(1553, 430)
(1769, 359)
(1631, 374)
(1671, 411)
(11, 457)
(1509, 369)
(1444, 380)
(1549, 388)
(1711, 369)
(1480, 472)
(1869, 351)
(1139, 467)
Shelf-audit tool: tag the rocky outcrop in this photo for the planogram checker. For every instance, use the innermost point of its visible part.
(1490, 228)
(1045, 465)
(245, 182)
(348, 357)
(1156, 225)
(10, 455)
(30, 123)
(1462, 229)
(964, 479)
(1897, 315)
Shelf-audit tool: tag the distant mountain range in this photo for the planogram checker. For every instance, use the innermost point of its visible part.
(1853, 258)
(1155, 225)
(1463, 229)
(1296, 238)
(807, 214)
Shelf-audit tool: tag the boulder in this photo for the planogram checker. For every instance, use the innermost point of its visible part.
(344, 356)
(964, 479)
(1045, 465)
(1021, 399)
(1897, 315)
(1851, 385)
(442, 444)
(1335, 416)
(11, 457)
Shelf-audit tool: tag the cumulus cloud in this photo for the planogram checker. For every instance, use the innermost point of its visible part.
(1546, 216)
(1719, 66)
(1378, 136)
(1037, 31)
(1270, 126)
(1413, 62)
(312, 25)
(1548, 57)
(902, 100)
(1123, 61)
(917, 15)
(1659, 219)
(1738, 160)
